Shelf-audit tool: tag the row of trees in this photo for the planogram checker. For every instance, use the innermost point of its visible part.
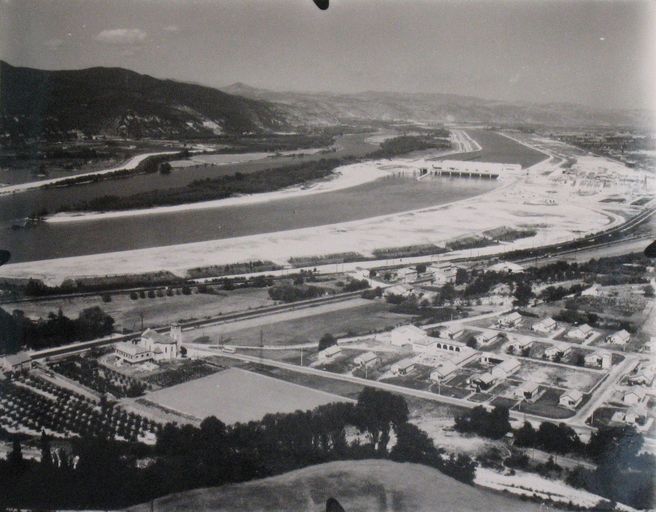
(185, 457)
(18, 330)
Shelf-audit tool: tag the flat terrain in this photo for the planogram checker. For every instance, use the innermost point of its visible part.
(366, 485)
(559, 376)
(293, 327)
(158, 311)
(236, 395)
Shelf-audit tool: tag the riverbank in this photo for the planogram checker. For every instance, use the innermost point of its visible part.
(131, 164)
(437, 224)
(343, 177)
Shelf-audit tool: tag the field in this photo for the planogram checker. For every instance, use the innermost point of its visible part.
(236, 395)
(358, 485)
(158, 311)
(559, 376)
(358, 316)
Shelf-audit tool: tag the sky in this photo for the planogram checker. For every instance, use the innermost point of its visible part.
(591, 52)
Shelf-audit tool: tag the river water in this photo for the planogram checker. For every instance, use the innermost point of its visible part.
(384, 196)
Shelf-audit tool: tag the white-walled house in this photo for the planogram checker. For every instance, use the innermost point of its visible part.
(506, 368)
(485, 338)
(634, 396)
(513, 319)
(329, 354)
(571, 398)
(367, 360)
(546, 325)
(528, 391)
(599, 359)
(443, 372)
(151, 346)
(581, 332)
(403, 367)
(443, 273)
(619, 338)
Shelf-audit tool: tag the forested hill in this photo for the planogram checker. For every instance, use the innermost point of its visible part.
(115, 101)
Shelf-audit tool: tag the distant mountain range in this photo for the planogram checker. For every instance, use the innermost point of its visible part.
(327, 108)
(113, 101)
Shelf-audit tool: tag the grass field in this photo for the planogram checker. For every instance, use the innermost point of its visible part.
(360, 317)
(158, 311)
(236, 395)
(359, 486)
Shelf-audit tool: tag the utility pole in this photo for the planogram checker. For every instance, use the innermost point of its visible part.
(261, 344)
(301, 356)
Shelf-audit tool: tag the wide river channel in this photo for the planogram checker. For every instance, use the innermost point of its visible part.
(384, 196)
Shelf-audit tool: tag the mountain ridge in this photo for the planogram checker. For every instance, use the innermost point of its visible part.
(116, 101)
(442, 107)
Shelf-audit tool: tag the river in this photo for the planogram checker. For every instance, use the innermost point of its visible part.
(385, 196)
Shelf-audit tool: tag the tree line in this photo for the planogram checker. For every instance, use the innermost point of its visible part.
(623, 472)
(104, 474)
(17, 330)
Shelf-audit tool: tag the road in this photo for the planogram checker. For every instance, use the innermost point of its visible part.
(393, 388)
(217, 320)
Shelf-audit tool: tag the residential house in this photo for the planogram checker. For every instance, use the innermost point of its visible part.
(599, 359)
(544, 326)
(518, 346)
(555, 352)
(406, 275)
(485, 338)
(581, 332)
(506, 368)
(367, 360)
(329, 354)
(529, 391)
(619, 338)
(443, 274)
(483, 380)
(403, 367)
(634, 396)
(443, 372)
(571, 398)
(452, 331)
(513, 319)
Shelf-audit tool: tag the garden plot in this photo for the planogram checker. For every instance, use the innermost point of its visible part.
(236, 395)
(559, 376)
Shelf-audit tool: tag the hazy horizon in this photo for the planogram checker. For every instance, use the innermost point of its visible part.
(587, 52)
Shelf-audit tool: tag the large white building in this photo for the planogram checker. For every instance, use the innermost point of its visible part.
(151, 346)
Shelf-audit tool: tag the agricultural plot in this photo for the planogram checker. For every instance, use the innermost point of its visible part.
(360, 318)
(127, 313)
(236, 395)
(559, 376)
(30, 405)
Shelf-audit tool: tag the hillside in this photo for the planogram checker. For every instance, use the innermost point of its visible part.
(115, 101)
(358, 485)
(326, 108)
